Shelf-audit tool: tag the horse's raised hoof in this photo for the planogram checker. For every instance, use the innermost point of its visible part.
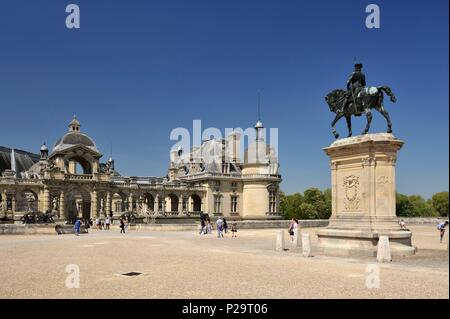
(336, 135)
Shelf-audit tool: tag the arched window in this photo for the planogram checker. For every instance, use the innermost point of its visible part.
(196, 203)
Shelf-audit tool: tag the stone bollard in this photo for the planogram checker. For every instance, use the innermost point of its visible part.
(297, 237)
(384, 250)
(306, 245)
(280, 241)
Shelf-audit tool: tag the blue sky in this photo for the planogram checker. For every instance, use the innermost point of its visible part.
(137, 69)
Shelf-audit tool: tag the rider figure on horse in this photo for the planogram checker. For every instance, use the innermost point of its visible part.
(355, 83)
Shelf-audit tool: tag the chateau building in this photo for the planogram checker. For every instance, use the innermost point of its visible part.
(71, 181)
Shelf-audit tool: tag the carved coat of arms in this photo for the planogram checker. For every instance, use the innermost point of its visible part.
(351, 192)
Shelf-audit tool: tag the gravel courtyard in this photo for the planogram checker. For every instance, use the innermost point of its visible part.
(184, 264)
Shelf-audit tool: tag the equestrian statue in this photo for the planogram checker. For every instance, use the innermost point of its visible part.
(358, 99)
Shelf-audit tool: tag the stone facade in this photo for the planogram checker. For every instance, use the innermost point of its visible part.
(71, 181)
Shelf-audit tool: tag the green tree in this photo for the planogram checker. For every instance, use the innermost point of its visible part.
(308, 211)
(403, 206)
(316, 198)
(327, 198)
(413, 206)
(290, 205)
(421, 207)
(439, 201)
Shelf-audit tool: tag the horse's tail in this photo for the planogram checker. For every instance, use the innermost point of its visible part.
(389, 92)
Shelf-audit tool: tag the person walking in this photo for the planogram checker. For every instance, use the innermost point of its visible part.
(202, 226)
(86, 225)
(107, 223)
(225, 225)
(97, 223)
(77, 226)
(126, 223)
(233, 229)
(441, 228)
(208, 226)
(122, 226)
(292, 227)
(219, 224)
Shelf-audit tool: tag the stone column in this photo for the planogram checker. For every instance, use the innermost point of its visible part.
(62, 196)
(180, 204)
(108, 203)
(13, 204)
(46, 199)
(4, 202)
(202, 204)
(94, 209)
(163, 204)
(155, 204)
(130, 203)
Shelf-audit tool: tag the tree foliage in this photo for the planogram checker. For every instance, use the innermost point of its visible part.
(316, 204)
(439, 201)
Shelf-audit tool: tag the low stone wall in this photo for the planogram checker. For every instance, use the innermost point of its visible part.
(39, 229)
(257, 224)
(423, 220)
(30, 229)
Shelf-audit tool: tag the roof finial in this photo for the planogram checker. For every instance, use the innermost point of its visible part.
(259, 105)
(259, 124)
(74, 125)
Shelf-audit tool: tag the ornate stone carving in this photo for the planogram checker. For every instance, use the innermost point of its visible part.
(382, 180)
(333, 165)
(368, 161)
(391, 160)
(351, 192)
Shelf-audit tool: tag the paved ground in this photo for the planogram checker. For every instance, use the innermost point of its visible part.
(187, 265)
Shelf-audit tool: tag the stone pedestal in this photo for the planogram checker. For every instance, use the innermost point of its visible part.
(363, 197)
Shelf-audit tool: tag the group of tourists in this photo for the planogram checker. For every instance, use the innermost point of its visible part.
(102, 223)
(221, 224)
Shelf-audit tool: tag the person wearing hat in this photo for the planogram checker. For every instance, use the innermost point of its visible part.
(355, 83)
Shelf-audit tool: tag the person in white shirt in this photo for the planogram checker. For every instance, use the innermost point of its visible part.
(107, 223)
(292, 226)
(402, 224)
(219, 224)
(441, 228)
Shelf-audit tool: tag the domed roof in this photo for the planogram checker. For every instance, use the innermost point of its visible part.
(74, 137)
(44, 147)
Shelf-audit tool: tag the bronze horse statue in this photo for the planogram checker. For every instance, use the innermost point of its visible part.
(368, 98)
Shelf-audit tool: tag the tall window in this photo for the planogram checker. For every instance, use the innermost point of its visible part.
(234, 204)
(272, 202)
(217, 208)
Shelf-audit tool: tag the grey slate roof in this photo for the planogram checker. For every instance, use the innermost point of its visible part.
(24, 160)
